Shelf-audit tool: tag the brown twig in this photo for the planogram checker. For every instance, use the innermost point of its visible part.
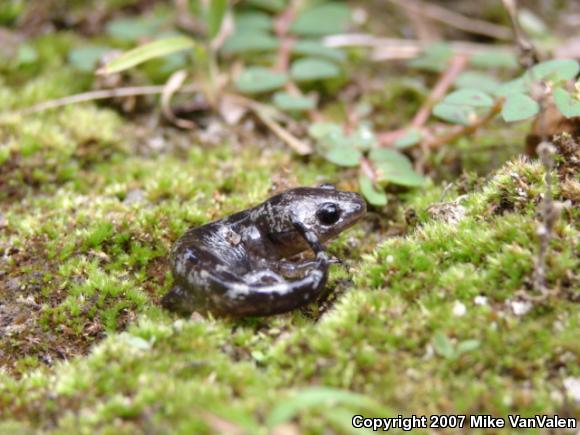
(397, 49)
(100, 95)
(528, 53)
(454, 19)
(456, 67)
(455, 133)
(367, 169)
(263, 112)
(281, 29)
(171, 87)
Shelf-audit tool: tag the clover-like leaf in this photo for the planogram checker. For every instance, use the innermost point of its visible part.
(477, 80)
(133, 29)
(494, 58)
(455, 113)
(316, 48)
(412, 136)
(343, 155)
(363, 137)
(373, 195)
(258, 79)
(394, 167)
(250, 41)
(293, 103)
(321, 20)
(518, 107)
(309, 69)
(253, 21)
(320, 130)
(268, 5)
(394, 157)
(434, 57)
(555, 69)
(567, 104)
(87, 58)
(469, 97)
(517, 86)
(401, 175)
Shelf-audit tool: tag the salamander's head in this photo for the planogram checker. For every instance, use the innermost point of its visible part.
(324, 210)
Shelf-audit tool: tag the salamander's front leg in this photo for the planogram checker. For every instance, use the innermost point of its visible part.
(310, 237)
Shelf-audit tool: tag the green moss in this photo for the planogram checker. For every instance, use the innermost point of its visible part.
(393, 336)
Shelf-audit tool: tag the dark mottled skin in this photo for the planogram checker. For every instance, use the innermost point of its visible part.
(236, 265)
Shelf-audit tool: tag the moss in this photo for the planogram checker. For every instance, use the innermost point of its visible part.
(392, 335)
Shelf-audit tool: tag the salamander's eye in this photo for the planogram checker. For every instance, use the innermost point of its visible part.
(328, 213)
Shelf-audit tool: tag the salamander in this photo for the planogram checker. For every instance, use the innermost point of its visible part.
(241, 265)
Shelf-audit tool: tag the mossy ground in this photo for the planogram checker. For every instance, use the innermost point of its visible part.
(429, 315)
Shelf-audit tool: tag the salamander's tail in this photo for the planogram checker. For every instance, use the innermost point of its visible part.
(244, 299)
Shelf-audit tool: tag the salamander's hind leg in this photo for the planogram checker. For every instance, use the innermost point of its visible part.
(179, 300)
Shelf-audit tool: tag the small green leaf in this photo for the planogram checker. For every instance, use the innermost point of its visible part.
(435, 57)
(518, 107)
(316, 48)
(531, 23)
(467, 346)
(567, 104)
(412, 136)
(455, 113)
(394, 167)
(259, 79)
(401, 175)
(247, 41)
(216, 12)
(394, 157)
(133, 29)
(517, 86)
(309, 69)
(476, 80)
(268, 5)
(469, 97)
(152, 50)
(288, 408)
(443, 346)
(86, 58)
(320, 130)
(555, 69)
(290, 102)
(343, 155)
(494, 59)
(253, 21)
(374, 196)
(321, 20)
(363, 137)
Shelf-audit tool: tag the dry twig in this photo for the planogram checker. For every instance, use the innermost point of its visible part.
(100, 95)
(456, 67)
(454, 19)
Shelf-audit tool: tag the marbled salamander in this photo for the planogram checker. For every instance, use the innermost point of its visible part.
(237, 265)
